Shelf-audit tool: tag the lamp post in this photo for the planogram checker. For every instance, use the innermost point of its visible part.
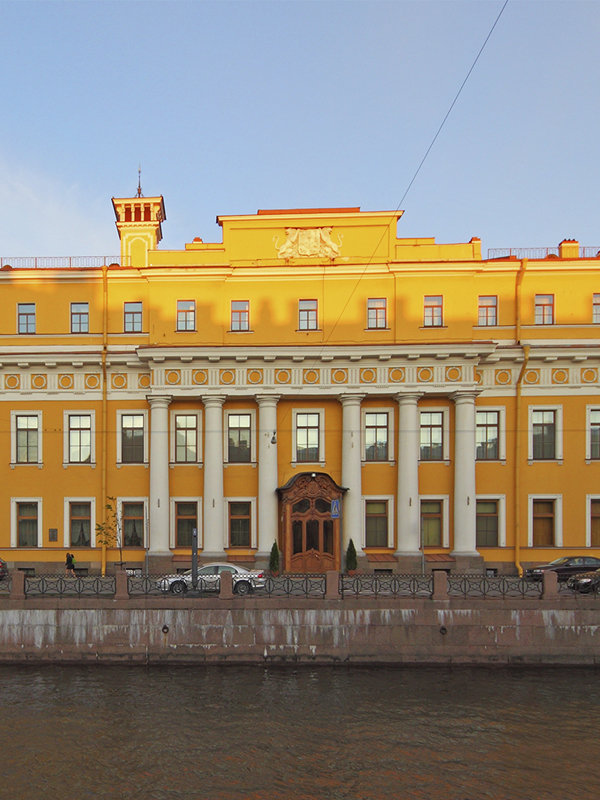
(194, 558)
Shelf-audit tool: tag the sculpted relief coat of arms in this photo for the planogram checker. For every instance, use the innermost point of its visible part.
(308, 243)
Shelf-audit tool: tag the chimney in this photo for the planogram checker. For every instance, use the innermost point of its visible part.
(568, 248)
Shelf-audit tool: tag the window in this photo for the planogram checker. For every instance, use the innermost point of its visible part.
(80, 318)
(544, 309)
(186, 438)
(596, 309)
(545, 520)
(186, 519)
(307, 437)
(594, 522)
(80, 524)
(239, 524)
(27, 439)
(433, 311)
(487, 435)
(132, 439)
(488, 310)
(487, 523)
(432, 436)
(239, 438)
(133, 318)
(132, 521)
(377, 312)
(593, 427)
(307, 315)
(544, 435)
(27, 524)
(376, 523)
(80, 438)
(26, 317)
(240, 315)
(376, 436)
(431, 523)
(186, 315)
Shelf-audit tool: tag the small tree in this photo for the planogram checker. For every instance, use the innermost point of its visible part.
(351, 560)
(108, 533)
(274, 559)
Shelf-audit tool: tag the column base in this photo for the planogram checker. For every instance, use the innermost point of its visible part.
(468, 562)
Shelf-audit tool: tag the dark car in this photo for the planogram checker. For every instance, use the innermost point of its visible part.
(585, 582)
(3, 570)
(564, 567)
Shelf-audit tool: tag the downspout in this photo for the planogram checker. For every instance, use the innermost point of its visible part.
(104, 402)
(518, 415)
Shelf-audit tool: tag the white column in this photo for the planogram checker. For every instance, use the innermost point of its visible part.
(352, 511)
(159, 476)
(464, 475)
(409, 511)
(267, 473)
(213, 529)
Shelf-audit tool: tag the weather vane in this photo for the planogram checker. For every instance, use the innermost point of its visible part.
(139, 189)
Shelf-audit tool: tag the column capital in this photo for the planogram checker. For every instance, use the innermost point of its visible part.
(351, 399)
(158, 400)
(468, 396)
(267, 399)
(408, 397)
(214, 400)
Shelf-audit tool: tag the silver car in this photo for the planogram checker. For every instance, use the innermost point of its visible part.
(245, 581)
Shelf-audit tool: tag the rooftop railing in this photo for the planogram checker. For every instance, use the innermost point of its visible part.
(58, 262)
(538, 252)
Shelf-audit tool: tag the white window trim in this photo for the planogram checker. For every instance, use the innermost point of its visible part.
(445, 410)
(321, 413)
(588, 433)
(13, 520)
(386, 319)
(253, 530)
(445, 498)
(389, 498)
(501, 433)
(173, 520)
(83, 413)
(558, 433)
(363, 432)
(501, 500)
(588, 517)
(123, 413)
(185, 330)
(183, 412)
(67, 519)
(23, 412)
(120, 501)
(253, 455)
(558, 530)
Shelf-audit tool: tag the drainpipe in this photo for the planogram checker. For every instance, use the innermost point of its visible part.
(104, 402)
(518, 415)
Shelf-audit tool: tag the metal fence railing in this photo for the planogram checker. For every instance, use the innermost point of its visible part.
(294, 586)
(488, 586)
(539, 252)
(373, 585)
(62, 586)
(57, 262)
(170, 586)
(5, 585)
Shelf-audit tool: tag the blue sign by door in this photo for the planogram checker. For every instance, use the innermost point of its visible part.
(335, 509)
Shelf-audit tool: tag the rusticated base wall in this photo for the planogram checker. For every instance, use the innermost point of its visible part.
(326, 632)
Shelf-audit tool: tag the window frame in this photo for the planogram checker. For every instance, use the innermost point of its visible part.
(14, 501)
(378, 498)
(501, 411)
(239, 311)
(67, 521)
(308, 311)
(185, 319)
(589, 499)
(120, 502)
(67, 413)
(595, 309)
(13, 438)
(588, 433)
(445, 411)
(251, 412)
(485, 308)
(253, 523)
(558, 434)
(133, 329)
(371, 307)
(321, 412)
(26, 316)
(390, 411)
(539, 305)
(433, 306)
(131, 412)
(501, 500)
(445, 500)
(80, 315)
(184, 412)
(558, 526)
(173, 521)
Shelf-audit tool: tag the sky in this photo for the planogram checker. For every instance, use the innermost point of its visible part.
(234, 106)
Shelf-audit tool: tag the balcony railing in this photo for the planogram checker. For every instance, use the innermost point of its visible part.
(538, 252)
(58, 262)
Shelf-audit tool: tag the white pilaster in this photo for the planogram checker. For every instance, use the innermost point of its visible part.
(267, 473)
(409, 512)
(352, 511)
(159, 475)
(213, 477)
(464, 476)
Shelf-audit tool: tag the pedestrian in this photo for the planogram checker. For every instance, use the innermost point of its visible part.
(70, 565)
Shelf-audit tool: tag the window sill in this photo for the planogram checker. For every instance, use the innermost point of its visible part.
(309, 330)
(38, 464)
(432, 327)
(307, 464)
(501, 461)
(173, 464)
(389, 462)
(67, 464)
(248, 331)
(240, 464)
(558, 461)
(445, 461)
(132, 464)
(187, 330)
(376, 329)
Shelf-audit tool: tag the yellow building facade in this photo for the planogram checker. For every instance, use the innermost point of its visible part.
(447, 404)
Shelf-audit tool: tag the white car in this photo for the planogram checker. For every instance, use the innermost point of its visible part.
(245, 581)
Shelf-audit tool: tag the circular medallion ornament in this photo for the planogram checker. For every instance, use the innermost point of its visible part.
(589, 375)
(144, 381)
(12, 381)
(560, 376)
(227, 376)
(283, 376)
(255, 376)
(119, 381)
(453, 374)
(503, 376)
(368, 375)
(173, 377)
(199, 377)
(532, 376)
(65, 381)
(39, 381)
(339, 376)
(396, 375)
(478, 376)
(425, 374)
(92, 381)
(311, 376)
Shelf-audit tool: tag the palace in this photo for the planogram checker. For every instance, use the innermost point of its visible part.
(448, 404)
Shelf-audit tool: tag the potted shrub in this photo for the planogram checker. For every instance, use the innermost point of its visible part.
(351, 560)
(274, 560)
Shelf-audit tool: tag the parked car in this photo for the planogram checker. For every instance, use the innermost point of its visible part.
(585, 582)
(244, 580)
(564, 567)
(3, 570)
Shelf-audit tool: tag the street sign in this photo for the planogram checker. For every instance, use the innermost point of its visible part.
(335, 509)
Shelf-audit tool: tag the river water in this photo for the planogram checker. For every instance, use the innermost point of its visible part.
(252, 733)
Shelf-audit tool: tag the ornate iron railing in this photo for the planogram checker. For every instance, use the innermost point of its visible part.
(58, 262)
(538, 252)
(374, 585)
(169, 586)
(61, 586)
(294, 586)
(5, 585)
(487, 586)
